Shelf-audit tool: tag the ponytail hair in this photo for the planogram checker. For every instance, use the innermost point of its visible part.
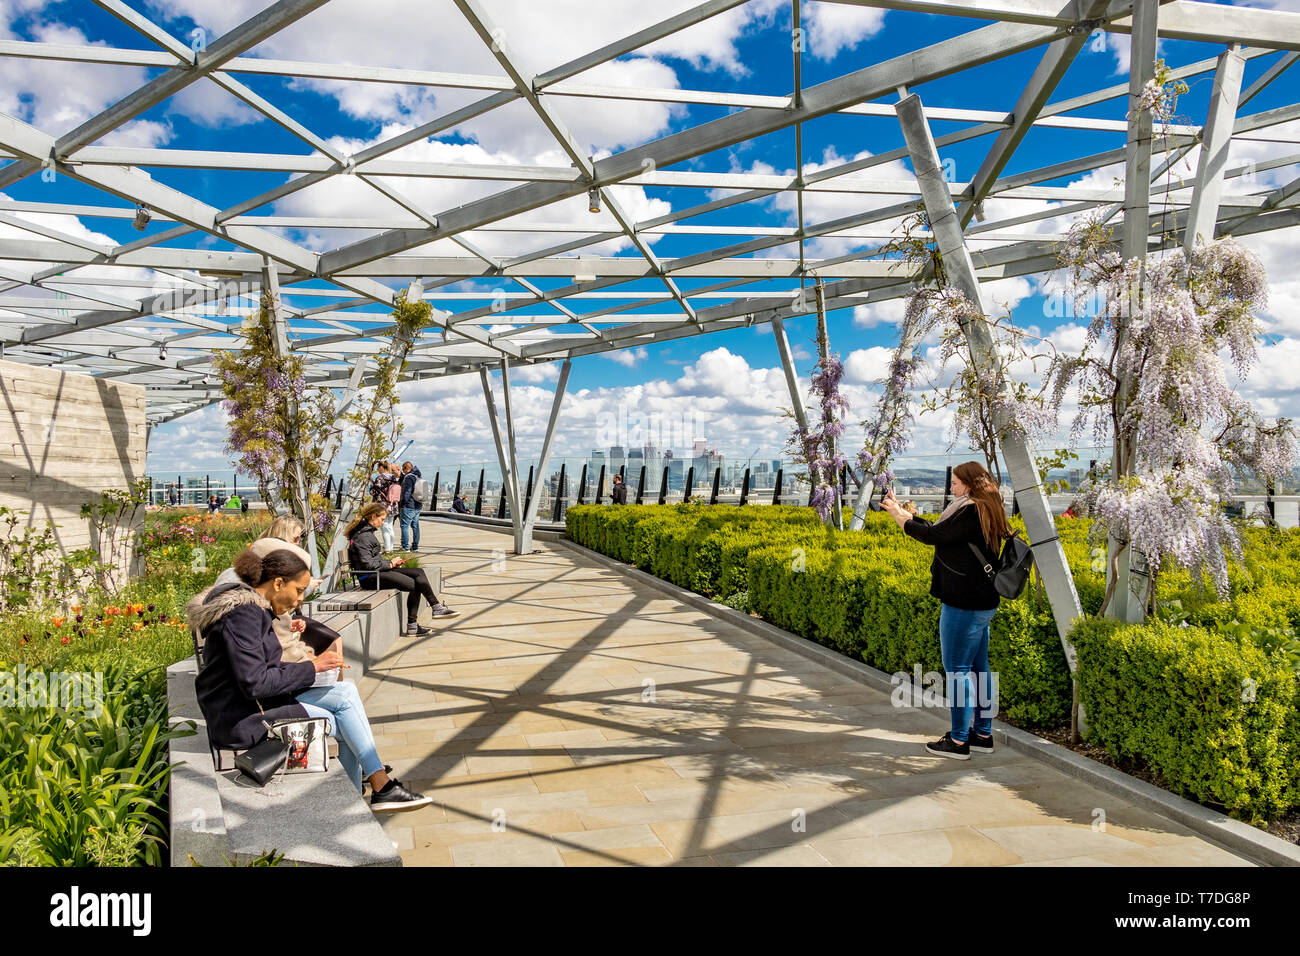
(364, 515)
(255, 569)
(983, 491)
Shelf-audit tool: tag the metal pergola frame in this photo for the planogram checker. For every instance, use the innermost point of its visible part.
(332, 304)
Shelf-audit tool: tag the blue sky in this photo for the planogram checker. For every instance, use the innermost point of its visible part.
(732, 378)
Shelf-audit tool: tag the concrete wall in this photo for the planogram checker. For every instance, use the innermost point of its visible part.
(65, 438)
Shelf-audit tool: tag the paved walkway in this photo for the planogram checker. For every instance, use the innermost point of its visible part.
(570, 717)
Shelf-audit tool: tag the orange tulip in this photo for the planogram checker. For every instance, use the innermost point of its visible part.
(58, 621)
(136, 626)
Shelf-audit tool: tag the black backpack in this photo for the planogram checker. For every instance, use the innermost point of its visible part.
(1011, 572)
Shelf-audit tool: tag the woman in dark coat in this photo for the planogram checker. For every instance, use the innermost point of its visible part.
(966, 537)
(245, 684)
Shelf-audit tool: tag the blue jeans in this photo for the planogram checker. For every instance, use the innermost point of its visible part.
(341, 705)
(410, 518)
(964, 644)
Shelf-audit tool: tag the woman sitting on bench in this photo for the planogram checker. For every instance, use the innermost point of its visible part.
(366, 554)
(245, 681)
(286, 532)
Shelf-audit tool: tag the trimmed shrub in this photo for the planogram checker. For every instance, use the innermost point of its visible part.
(864, 593)
(1214, 717)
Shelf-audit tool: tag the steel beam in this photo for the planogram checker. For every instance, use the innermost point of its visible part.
(1217, 138)
(1049, 555)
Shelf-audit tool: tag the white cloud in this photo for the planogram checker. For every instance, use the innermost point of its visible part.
(433, 35)
(834, 27)
(57, 97)
(628, 357)
(867, 366)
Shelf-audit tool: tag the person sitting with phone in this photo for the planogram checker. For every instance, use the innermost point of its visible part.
(245, 684)
(366, 555)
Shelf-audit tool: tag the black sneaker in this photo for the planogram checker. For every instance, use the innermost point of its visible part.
(945, 746)
(418, 630)
(980, 745)
(395, 797)
(441, 610)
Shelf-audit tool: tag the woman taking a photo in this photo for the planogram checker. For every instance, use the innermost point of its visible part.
(246, 683)
(967, 598)
(366, 554)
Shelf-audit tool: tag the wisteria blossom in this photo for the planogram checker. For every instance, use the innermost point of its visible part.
(817, 447)
(1151, 377)
(887, 435)
(987, 402)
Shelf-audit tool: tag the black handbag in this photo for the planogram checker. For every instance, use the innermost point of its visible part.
(264, 760)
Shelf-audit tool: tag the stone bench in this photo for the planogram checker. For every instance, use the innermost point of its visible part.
(382, 617)
(380, 620)
(313, 819)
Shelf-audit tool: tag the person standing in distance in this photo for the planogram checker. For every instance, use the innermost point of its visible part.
(410, 507)
(618, 493)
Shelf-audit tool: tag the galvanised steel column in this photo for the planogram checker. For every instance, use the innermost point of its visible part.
(525, 542)
(1048, 553)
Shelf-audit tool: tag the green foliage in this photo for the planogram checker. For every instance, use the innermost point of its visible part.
(864, 593)
(1159, 696)
(112, 530)
(376, 419)
(1210, 712)
(33, 569)
(85, 786)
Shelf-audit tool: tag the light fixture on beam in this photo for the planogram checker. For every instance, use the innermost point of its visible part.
(142, 217)
(593, 199)
(162, 351)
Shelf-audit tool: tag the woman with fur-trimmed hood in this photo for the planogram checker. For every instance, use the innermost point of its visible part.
(245, 683)
(243, 664)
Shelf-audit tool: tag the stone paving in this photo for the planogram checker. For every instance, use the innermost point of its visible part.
(571, 717)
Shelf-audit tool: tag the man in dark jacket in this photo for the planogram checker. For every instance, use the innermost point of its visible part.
(618, 494)
(411, 507)
(459, 506)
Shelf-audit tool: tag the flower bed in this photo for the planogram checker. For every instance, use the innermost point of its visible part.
(83, 779)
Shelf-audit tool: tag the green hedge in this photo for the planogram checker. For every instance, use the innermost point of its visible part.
(863, 593)
(1158, 695)
(1214, 716)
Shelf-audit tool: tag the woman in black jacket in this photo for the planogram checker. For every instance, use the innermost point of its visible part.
(245, 684)
(966, 537)
(366, 554)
